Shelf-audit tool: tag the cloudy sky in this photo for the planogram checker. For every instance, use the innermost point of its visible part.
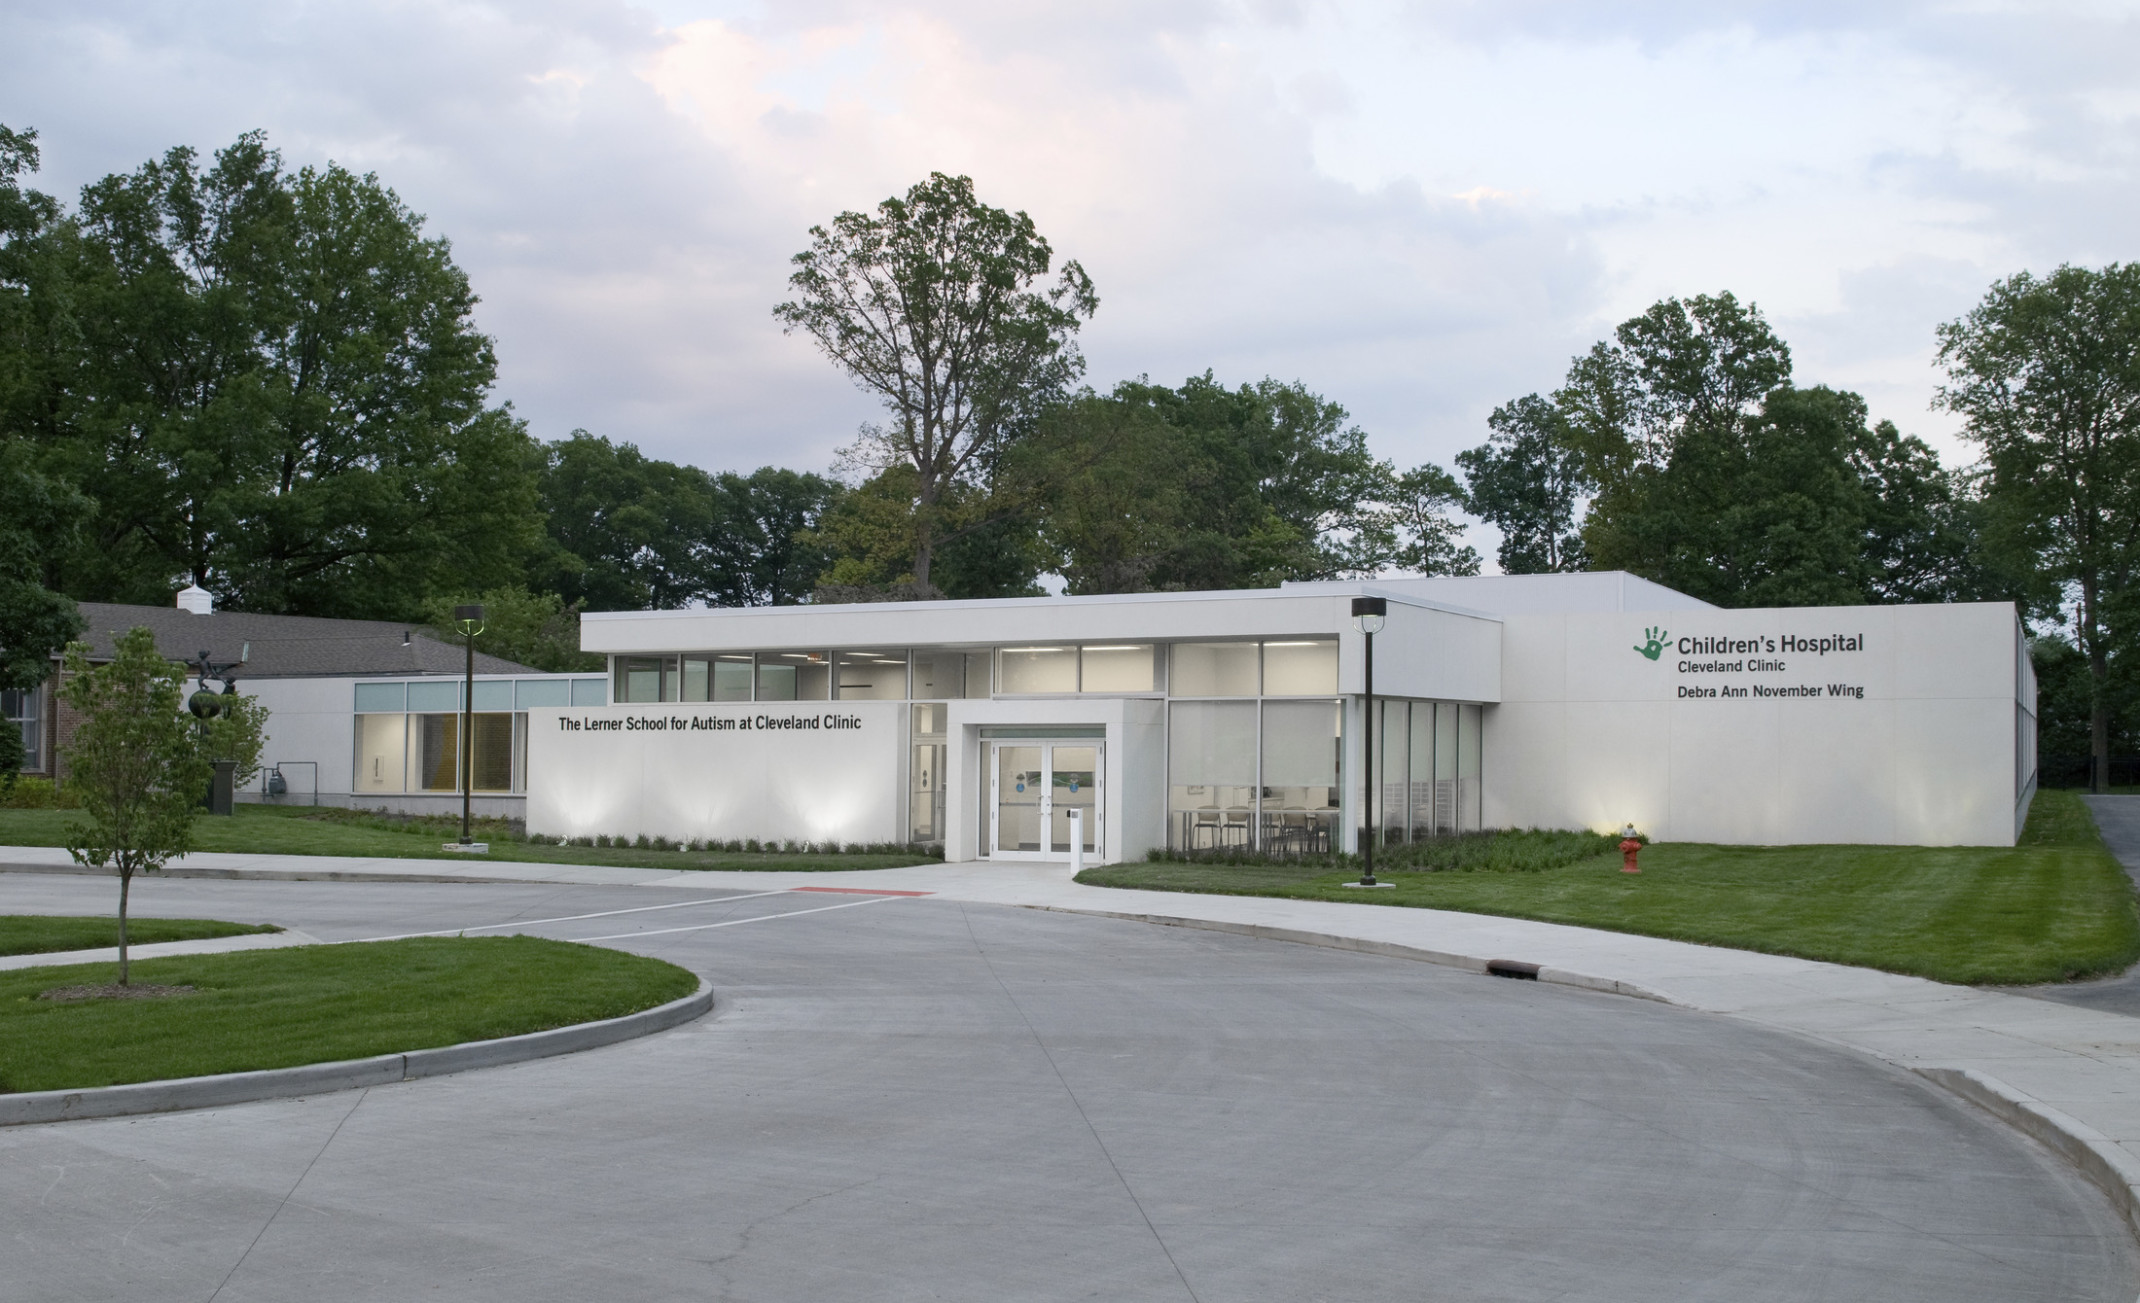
(1420, 210)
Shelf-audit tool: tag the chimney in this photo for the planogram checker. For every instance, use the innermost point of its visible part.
(196, 599)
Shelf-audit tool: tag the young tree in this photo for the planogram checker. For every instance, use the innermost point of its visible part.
(1527, 480)
(136, 762)
(237, 733)
(939, 305)
(2045, 373)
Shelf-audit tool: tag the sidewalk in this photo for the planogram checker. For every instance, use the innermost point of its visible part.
(2067, 1075)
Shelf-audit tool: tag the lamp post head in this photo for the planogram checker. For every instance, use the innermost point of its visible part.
(1368, 613)
(468, 619)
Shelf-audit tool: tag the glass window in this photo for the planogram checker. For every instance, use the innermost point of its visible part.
(1444, 767)
(939, 675)
(494, 694)
(1300, 668)
(1213, 669)
(732, 674)
(435, 694)
(590, 692)
(979, 676)
(1124, 667)
(1393, 741)
(376, 697)
(1468, 756)
(382, 752)
(491, 766)
(795, 676)
(925, 802)
(697, 674)
(438, 753)
(872, 675)
(1422, 769)
(26, 707)
(1211, 774)
(1300, 776)
(638, 678)
(1038, 669)
(528, 693)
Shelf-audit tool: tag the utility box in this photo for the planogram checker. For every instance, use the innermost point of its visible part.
(222, 787)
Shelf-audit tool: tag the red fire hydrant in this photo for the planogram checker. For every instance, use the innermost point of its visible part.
(1629, 848)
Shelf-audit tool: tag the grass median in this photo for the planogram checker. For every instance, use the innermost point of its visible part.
(2054, 908)
(45, 934)
(325, 830)
(259, 1009)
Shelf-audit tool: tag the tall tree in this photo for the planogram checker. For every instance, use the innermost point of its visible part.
(1698, 365)
(534, 629)
(279, 392)
(764, 548)
(944, 308)
(1206, 487)
(1527, 480)
(626, 531)
(2045, 373)
(39, 515)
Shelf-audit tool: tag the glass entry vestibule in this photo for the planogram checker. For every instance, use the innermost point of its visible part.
(1033, 787)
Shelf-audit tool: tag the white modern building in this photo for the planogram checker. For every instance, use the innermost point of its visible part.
(1203, 720)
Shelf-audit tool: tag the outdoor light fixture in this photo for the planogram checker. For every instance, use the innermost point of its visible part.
(468, 621)
(1368, 614)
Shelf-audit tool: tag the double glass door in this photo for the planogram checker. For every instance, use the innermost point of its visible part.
(1033, 787)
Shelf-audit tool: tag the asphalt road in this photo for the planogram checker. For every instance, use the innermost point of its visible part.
(916, 1099)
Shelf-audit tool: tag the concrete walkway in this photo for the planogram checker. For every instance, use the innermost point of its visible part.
(2071, 1076)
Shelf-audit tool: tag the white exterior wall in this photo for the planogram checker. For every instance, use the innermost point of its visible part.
(1590, 733)
(693, 769)
(309, 720)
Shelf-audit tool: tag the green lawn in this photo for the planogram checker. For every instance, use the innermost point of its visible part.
(313, 1004)
(2054, 908)
(42, 934)
(304, 830)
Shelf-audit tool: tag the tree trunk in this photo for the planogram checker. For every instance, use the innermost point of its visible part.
(2098, 695)
(924, 537)
(126, 879)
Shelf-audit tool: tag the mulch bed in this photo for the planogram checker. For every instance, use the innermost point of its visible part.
(113, 991)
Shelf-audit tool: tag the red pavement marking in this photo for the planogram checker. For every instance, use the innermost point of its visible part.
(862, 891)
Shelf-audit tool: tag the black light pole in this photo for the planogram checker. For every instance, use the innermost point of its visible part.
(1367, 617)
(469, 620)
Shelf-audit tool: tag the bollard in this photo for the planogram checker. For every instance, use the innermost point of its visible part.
(1629, 848)
(1077, 842)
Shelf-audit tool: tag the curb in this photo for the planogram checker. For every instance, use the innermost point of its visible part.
(1389, 949)
(348, 1074)
(2095, 1155)
(274, 875)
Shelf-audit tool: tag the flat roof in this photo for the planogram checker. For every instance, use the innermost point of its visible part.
(1294, 609)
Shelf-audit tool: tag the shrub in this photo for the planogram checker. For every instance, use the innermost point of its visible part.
(1509, 851)
(39, 794)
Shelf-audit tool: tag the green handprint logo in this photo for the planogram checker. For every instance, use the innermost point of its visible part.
(1655, 646)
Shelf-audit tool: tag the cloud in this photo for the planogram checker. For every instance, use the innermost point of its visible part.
(1421, 210)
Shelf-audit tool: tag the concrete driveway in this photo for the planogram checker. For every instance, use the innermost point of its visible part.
(920, 1099)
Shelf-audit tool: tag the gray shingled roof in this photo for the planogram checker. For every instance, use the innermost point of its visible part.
(287, 646)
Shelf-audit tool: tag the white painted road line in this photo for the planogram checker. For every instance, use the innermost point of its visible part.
(569, 918)
(737, 922)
